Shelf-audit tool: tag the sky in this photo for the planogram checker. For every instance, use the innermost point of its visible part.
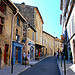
(50, 12)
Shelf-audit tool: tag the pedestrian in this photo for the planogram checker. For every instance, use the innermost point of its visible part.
(28, 56)
(57, 55)
(54, 54)
(39, 54)
(24, 55)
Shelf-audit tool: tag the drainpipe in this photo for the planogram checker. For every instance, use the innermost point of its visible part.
(11, 60)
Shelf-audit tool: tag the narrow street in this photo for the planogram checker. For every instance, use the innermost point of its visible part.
(47, 66)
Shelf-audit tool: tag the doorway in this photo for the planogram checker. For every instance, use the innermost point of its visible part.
(31, 52)
(18, 55)
(6, 53)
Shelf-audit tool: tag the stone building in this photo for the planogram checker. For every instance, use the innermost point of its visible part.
(51, 44)
(11, 33)
(35, 20)
(68, 24)
(48, 43)
(29, 35)
(58, 45)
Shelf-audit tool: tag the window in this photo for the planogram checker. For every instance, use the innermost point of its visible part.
(46, 41)
(32, 35)
(1, 24)
(73, 26)
(69, 31)
(17, 38)
(17, 31)
(40, 40)
(18, 22)
(36, 36)
(43, 41)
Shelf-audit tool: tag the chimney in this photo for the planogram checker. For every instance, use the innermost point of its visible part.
(23, 3)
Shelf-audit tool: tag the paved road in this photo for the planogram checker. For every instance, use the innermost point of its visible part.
(47, 66)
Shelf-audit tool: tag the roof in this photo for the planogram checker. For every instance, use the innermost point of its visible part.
(48, 34)
(51, 35)
(13, 5)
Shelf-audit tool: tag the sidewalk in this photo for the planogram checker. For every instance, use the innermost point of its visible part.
(70, 68)
(17, 68)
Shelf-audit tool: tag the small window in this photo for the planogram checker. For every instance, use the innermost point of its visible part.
(18, 22)
(32, 35)
(36, 36)
(16, 31)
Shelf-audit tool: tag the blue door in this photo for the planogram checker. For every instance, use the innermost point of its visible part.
(19, 56)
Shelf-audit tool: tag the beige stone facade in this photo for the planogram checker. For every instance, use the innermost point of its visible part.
(5, 36)
(35, 20)
(51, 44)
(48, 43)
(58, 45)
(38, 21)
(31, 43)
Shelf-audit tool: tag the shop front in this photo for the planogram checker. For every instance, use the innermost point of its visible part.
(39, 51)
(17, 52)
(31, 52)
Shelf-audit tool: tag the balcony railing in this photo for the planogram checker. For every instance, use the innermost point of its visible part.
(1, 9)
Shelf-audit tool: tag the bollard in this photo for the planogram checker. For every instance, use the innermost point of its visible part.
(64, 66)
(25, 62)
(12, 65)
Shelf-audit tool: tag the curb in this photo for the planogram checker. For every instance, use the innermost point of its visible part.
(59, 68)
(29, 66)
(23, 70)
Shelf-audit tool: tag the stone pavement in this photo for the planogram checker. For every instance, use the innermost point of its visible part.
(70, 68)
(18, 68)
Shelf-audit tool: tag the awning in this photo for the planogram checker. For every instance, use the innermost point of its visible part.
(30, 43)
(39, 45)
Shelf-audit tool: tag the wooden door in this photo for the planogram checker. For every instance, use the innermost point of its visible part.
(5, 53)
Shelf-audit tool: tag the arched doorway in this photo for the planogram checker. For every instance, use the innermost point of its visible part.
(31, 52)
(0, 56)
